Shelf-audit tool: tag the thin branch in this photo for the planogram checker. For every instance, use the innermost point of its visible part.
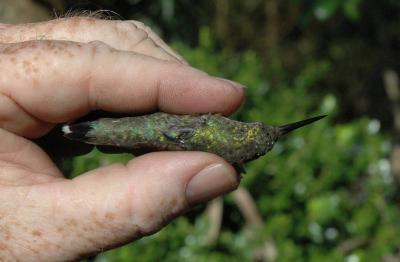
(247, 207)
(214, 212)
(391, 81)
(353, 243)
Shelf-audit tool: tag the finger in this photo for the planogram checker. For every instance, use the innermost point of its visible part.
(158, 40)
(54, 82)
(19, 158)
(16, 119)
(122, 35)
(113, 205)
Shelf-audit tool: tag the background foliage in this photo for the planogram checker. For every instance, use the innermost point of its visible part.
(327, 192)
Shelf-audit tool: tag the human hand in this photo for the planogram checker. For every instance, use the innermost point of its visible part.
(53, 72)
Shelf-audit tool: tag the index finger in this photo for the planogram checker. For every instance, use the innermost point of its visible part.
(49, 82)
(122, 35)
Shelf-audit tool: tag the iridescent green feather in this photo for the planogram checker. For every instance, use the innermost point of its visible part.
(237, 142)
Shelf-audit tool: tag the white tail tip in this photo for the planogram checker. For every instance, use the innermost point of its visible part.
(66, 129)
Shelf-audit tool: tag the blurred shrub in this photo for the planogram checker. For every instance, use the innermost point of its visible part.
(325, 191)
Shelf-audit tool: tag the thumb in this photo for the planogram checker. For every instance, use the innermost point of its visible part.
(119, 203)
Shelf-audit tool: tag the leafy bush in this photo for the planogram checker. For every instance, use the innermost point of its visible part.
(325, 191)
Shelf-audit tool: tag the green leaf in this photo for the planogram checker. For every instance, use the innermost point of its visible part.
(351, 9)
(325, 9)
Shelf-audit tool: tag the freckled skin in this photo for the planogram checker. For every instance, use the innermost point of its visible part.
(37, 233)
(50, 74)
(236, 142)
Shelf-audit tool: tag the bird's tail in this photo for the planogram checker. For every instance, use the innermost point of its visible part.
(77, 131)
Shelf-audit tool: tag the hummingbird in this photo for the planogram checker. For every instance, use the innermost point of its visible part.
(237, 142)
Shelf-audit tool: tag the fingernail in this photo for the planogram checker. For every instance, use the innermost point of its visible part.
(211, 182)
(235, 84)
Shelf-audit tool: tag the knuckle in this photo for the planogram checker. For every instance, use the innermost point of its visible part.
(135, 33)
(139, 24)
(146, 29)
(142, 27)
(143, 35)
(132, 24)
(100, 47)
(125, 26)
(148, 42)
(98, 43)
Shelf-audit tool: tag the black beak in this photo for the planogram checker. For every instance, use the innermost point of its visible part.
(283, 130)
